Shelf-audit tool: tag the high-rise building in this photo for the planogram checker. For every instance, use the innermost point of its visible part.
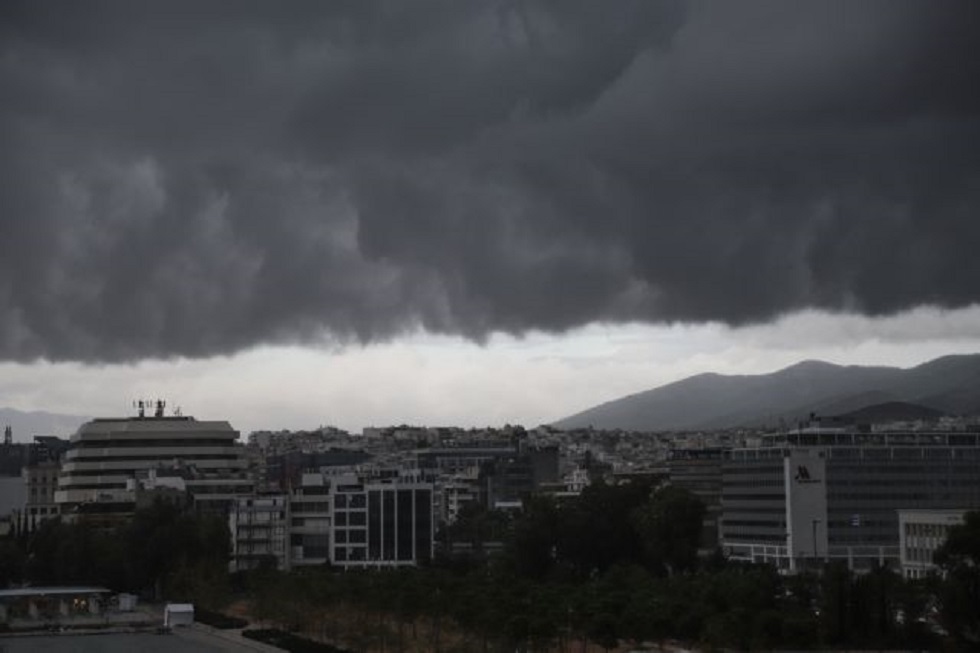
(813, 495)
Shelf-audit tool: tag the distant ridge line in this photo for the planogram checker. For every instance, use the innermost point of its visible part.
(946, 385)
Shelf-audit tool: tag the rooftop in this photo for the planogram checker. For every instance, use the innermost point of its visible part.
(21, 592)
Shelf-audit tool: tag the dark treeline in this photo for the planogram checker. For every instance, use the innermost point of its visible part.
(163, 551)
(616, 566)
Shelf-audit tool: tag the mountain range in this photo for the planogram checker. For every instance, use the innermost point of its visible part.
(948, 385)
(25, 425)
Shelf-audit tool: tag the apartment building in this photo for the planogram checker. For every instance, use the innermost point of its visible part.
(259, 528)
(309, 521)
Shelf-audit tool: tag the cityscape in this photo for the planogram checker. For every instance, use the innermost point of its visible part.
(848, 493)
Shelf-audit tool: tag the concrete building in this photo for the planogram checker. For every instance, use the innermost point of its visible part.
(459, 490)
(813, 495)
(309, 521)
(259, 528)
(12, 499)
(699, 472)
(508, 480)
(381, 523)
(107, 453)
(288, 530)
(455, 459)
(40, 477)
(284, 471)
(921, 533)
(40, 483)
(341, 518)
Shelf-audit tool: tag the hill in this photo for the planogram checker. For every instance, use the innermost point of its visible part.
(26, 425)
(950, 385)
(893, 411)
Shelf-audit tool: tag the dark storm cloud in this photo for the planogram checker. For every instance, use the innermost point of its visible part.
(196, 178)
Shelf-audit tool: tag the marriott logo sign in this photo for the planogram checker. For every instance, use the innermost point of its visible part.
(803, 475)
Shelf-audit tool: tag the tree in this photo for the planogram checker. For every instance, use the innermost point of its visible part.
(670, 527)
(532, 548)
(597, 532)
(959, 593)
(835, 603)
(12, 562)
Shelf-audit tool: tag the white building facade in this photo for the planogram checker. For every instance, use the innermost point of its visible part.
(921, 533)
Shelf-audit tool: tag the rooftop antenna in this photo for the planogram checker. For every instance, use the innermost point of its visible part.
(8, 435)
(140, 407)
(161, 404)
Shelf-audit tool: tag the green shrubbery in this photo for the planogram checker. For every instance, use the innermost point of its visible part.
(218, 620)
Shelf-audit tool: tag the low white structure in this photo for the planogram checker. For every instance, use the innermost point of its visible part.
(178, 614)
(126, 602)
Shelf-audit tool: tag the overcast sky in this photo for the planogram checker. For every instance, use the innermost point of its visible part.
(295, 213)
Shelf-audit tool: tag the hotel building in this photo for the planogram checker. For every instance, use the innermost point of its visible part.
(819, 494)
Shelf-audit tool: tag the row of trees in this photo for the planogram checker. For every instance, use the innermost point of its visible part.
(619, 565)
(163, 550)
(492, 608)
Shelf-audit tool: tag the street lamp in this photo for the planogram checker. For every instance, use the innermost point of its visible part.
(814, 522)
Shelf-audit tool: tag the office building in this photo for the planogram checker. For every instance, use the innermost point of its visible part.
(817, 494)
(105, 454)
(381, 522)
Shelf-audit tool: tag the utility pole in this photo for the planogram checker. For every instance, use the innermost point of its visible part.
(814, 523)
